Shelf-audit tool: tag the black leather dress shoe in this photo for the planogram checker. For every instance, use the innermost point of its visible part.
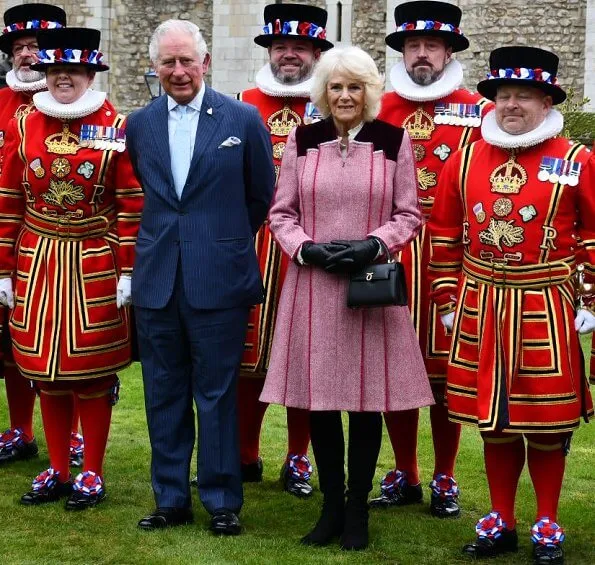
(252, 472)
(18, 451)
(487, 547)
(548, 554)
(225, 522)
(165, 518)
(444, 508)
(410, 494)
(52, 494)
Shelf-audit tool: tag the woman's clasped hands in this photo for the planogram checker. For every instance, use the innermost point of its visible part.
(341, 256)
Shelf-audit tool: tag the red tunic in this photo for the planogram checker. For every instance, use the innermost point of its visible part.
(504, 246)
(280, 115)
(433, 146)
(69, 219)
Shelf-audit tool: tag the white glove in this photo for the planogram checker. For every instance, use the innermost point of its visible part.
(448, 320)
(584, 322)
(6, 293)
(124, 294)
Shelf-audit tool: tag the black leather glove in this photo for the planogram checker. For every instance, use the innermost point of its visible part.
(355, 256)
(318, 254)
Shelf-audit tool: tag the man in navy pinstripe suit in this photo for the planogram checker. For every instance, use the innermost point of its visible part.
(205, 164)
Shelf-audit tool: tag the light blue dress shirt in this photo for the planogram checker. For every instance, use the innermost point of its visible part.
(174, 119)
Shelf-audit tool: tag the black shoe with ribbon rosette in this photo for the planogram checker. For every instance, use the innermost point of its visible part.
(444, 502)
(295, 475)
(46, 487)
(13, 446)
(87, 491)
(395, 490)
(547, 537)
(493, 538)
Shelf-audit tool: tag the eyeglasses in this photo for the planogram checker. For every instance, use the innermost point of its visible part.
(19, 48)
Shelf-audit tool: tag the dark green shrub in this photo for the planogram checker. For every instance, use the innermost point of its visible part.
(578, 125)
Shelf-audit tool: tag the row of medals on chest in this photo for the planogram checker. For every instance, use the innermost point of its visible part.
(103, 138)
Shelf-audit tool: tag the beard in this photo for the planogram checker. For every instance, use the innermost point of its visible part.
(29, 75)
(303, 74)
(424, 76)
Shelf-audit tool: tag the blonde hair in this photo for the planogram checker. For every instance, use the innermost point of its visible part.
(354, 63)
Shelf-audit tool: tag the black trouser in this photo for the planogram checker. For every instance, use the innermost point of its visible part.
(328, 444)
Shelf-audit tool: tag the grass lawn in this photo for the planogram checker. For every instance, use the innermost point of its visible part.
(273, 520)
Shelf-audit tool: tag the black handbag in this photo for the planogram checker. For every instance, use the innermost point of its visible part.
(378, 284)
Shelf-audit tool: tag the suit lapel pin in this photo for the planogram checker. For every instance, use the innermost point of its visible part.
(210, 111)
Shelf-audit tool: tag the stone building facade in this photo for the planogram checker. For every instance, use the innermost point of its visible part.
(568, 28)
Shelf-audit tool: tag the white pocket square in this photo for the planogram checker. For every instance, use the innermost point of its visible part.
(230, 142)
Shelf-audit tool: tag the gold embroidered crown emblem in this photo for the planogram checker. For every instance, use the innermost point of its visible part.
(508, 178)
(283, 121)
(419, 125)
(63, 143)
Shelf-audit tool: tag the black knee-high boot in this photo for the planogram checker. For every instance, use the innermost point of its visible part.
(365, 435)
(328, 445)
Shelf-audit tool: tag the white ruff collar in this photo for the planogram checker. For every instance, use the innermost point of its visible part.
(265, 81)
(451, 79)
(550, 127)
(19, 86)
(88, 103)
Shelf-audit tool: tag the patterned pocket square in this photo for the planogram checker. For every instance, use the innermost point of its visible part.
(230, 142)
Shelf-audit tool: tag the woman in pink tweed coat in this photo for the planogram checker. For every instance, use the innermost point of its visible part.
(349, 178)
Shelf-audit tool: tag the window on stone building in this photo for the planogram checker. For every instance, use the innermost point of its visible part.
(339, 20)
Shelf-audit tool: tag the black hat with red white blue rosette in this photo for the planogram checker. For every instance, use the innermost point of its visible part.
(428, 18)
(294, 21)
(69, 46)
(27, 19)
(520, 65)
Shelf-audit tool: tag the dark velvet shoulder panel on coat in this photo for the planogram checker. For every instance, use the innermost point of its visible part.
(385, 137)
